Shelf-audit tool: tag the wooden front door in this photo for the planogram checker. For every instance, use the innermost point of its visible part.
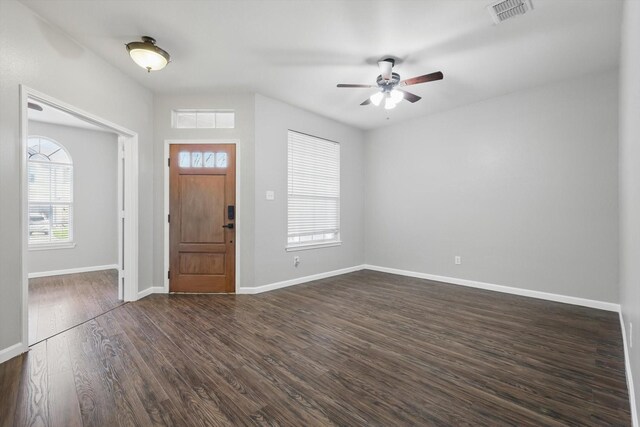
(201, 218)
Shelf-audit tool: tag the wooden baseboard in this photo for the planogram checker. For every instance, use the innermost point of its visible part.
(151, 290)
(630, 386)
(297, 281)
(13, 351)
(74, 270)
(601, 305)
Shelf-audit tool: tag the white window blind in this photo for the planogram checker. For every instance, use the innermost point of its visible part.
(50, 194)
(313, 190)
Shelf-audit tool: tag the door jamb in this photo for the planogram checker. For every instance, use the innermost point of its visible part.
(129, 142)
(238, 220)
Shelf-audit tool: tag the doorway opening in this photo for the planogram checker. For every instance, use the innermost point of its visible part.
(79, 216)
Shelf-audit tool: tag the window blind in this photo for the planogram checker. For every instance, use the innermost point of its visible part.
(313, 190)
(50, 195)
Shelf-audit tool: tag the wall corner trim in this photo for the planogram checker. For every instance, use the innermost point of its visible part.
(151, 290)
(12, 351)
(630, 387)
(74, 270)
(601, 305)
(297, 281)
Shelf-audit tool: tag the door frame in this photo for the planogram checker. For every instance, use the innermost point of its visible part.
(127, 195)
(238, 220)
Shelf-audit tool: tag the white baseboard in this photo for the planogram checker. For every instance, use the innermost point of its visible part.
(602, 305)
(297, 281)
(151, 290)
(13, 351)
(630, 387)
(74, 270)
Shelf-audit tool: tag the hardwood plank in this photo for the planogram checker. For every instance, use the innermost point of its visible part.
(64, 407)
(58, 303)
(10, 376)
(33, 406)
(365, 348)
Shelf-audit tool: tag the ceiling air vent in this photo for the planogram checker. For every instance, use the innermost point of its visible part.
(506, 9)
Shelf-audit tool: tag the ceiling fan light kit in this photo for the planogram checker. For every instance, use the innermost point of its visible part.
(147, 55)
(388, 83)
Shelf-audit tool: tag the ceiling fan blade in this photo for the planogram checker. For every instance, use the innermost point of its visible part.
(366, 102)
(34, 106)
(385, 69)
(350, 85)
(410, 96)
(422, 79)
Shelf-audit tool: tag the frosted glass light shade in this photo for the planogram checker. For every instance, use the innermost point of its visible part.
(396, 96)
(376, 98)
(389, 103)
(147, 55)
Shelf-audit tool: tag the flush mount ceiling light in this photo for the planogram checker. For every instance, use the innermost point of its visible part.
(147, 55)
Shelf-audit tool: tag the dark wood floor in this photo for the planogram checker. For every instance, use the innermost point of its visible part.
(362, 348)
(57, 303)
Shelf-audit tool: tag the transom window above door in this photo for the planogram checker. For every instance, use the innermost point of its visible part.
(202, 159)
(203, 119)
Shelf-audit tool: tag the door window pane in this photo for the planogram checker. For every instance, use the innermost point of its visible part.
(196, 159)
(184, 159)
(221, 160)
(209, 159)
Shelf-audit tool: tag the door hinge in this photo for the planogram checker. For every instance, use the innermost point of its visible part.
(169, 162)
(169, 218)
(169, 274)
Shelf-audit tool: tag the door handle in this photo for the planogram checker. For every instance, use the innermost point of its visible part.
(229, 226)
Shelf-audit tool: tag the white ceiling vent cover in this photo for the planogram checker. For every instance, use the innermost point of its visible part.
(506, 9)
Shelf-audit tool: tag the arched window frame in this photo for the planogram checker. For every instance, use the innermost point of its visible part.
(55, 212)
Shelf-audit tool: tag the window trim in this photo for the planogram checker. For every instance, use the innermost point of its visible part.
(307, 246)
(293, 247)
(67, 244)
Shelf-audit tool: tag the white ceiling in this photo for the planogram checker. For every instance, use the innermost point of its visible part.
(298, 50)
(59, 117)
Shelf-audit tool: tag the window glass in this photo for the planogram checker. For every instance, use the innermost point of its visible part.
(221, 160)
(50, 192)
(196, 159)
(203, 119)
(209, 159)
(184, 159)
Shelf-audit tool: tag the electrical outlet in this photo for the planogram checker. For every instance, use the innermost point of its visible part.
(457, 260)
(296, 261)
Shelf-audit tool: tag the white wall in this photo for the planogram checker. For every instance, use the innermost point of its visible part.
(630, 182)
(523, 187)
(40, 56)
(261, 128)
(243, 132)
(272, 262)
(95, 199)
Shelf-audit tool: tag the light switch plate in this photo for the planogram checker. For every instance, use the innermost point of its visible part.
(271, 195)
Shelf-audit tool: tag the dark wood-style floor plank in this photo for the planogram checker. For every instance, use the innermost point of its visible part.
(365, 348)
(33, 406)
(57, 303)
(63, 399)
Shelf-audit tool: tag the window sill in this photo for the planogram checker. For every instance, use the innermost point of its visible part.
(313, 246)
(52, 246)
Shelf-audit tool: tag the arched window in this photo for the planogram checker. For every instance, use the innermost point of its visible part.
(50, 171)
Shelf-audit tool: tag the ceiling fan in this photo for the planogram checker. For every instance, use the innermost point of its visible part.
(388, 84)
